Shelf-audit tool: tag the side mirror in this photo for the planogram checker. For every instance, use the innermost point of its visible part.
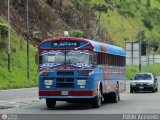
(37, 58)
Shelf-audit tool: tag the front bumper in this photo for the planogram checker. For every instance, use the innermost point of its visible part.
(142, 88)
(57, 95)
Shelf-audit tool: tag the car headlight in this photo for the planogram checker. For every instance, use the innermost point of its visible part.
(133, 83)
(81, 82)
(48, 82)
(149, 84)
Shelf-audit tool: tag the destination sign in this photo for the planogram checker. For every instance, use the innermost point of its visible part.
(65, 44)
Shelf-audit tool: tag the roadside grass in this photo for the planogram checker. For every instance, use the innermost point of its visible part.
(152, 68)
(132, 70)
(17, 77)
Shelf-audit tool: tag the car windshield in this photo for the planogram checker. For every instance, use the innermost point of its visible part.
(142, 77)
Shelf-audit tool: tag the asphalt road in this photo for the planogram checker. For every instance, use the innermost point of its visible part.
(25, 101)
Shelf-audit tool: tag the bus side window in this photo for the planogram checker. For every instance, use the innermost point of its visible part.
(95, 58)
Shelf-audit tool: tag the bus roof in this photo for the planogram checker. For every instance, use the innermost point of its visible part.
(96, 46)
(107, 48)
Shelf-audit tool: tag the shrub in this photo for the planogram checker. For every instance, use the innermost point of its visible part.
(76, 33)
(154, 13)
(3, 30)
(147, 23)
(126, 13)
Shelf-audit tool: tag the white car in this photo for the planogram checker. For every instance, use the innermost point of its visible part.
(144, 82)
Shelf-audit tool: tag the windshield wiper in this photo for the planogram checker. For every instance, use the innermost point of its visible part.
(81, 46)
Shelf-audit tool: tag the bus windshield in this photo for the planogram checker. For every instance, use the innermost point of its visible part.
(68, 57)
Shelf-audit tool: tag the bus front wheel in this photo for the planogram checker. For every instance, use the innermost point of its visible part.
(97, 101)
(50, 103)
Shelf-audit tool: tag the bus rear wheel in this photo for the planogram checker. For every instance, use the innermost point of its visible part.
(116, 95)
(50, 103)
(97, 101)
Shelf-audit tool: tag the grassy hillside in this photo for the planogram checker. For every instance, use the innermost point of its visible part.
(18, 75)
(126, 18)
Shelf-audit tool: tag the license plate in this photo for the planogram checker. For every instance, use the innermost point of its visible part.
(64, 92)
(141, 87)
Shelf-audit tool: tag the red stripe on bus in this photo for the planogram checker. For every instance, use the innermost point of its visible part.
(70, 93)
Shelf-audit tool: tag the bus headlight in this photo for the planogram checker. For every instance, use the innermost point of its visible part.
(81, 82)
(48, 82)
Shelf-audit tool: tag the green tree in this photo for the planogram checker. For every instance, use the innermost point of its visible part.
(101, 8)
(148, 4)
(141, 36)
(154, 44)
(122, 0)
(139, 1)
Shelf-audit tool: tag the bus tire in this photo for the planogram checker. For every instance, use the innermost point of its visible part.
(97, 101)
(116, 95)
(50, 103)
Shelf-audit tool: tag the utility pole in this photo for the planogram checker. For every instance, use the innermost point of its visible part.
(27, 32)
(148, 57)
(140, 43)
(9, 38)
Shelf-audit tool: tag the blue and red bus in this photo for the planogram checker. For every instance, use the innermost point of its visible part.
(77, 69)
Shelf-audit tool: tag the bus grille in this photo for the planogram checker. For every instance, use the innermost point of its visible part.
(65, 83)
(62, 73)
